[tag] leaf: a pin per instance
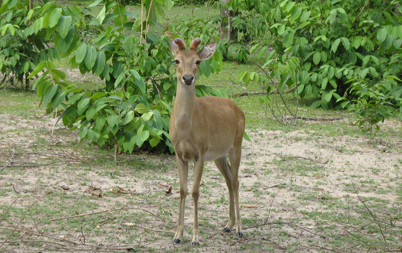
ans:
(300, 88)
(366, 59)
(374, 72)
(81, 52)
(146, 116)
(364, 72)
(100, 122)
(94, 3)
(100, 63)
(144, 135)
(154, 141)
(90, 57)
(64, 25)
(102, 14)
(205, 68)
(64, 44)
(281, 29)
(345, 43)
(316, 104)
(141, 108)
(288, 41)
(82, 105)
(90, 113)
(112, 120)
(54, 17)
(328, 96)
(26, 67)
(296, 13)
(139, 81)
(49, 94)
(249, 206)
(382, 34)
(289, 6)
(388, 41)
(317, 58)
(58, 99)
(335, 45)
(129, 117)
(324, 83)
(261, 52)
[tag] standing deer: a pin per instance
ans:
(203, 129)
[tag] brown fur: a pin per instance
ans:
(202, 129)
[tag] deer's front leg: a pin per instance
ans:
(198, 168)
(183, 173)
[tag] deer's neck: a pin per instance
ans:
(184, 105)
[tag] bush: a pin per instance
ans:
(341, 46)
(132, 109)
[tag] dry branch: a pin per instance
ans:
(311, 119)
(305, 158)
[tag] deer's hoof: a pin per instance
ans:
(176, 241)
(240, 234)
(195, 243)
(226, 230)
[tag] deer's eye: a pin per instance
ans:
(198, 62)
(177, 61)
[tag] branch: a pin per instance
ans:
(10, 160)
(22, 218)
(313, 119)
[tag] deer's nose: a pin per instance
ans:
(188, 79)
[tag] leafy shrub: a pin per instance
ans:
(22, 44)
(342, 45)
(133, 108)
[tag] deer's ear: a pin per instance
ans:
(207, 51)
(176, 45)
(173, 47)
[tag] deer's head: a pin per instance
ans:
(188, 61)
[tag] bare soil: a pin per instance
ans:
(286, 178)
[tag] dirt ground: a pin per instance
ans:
(298, 190)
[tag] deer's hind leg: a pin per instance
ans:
(224, 167)
(235, 157)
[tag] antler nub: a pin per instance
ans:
(180, 43)
(194, 44)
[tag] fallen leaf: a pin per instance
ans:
(249, 206)
(164, 184)
(64, 187)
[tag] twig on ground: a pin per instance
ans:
(311, 119)
(6, 211)
(10, 160)
(371, 214)
(87, 214)
(22, 218)
(306, 158)
(155, 230)
(105, 211)
(275, 185)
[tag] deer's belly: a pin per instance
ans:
(190, 152)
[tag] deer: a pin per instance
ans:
(204, 129)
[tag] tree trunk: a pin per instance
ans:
(227, 31)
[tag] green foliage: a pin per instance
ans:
(132, 109)
(23, 42)
(341, 46)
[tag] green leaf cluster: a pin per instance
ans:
(337, 44)
(132, 108)
(23, 41)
